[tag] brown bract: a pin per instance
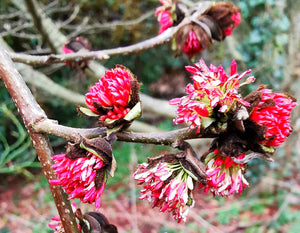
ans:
(97, 146)
(218, 18)
(234, 140)
(188, 159)
(94, 222)
(183, 33)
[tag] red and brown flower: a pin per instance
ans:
(168, 187)
(273, 113)
(83, 170)
(168, 181)
(114, 96)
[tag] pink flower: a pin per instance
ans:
(164, 15)
(224, 176)
(212, 89)
(168, 187)
(56, 223)
(112, 97)
(192, 45)
(273, 112)
(77, 177)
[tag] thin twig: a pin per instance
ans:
(78, 30)
(34, 11)
(71, 18)
(203, 222)
(93, 28)
(57, 9)
(25, 35)
(50, 5)
(10, 15)
(16, 29)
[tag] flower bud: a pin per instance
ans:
(115, 98)
(75, 45)
(191, 39)
(222, 15)
(96, 222)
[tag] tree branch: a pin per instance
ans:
(41, 81)
(30, 111)
(100, 54)
(159, 138)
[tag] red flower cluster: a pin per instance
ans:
(56, 223)
(77, 176)
(110, 97)
(165, 191)
(211, 89)
(163, 15)
(224, 176)
(273, 112)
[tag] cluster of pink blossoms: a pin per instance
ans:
(211, 89)
(56, 223)
(275, 117)
(168, 187)
(110, 96)
(163, 15)
(77, 176)
(224, 176)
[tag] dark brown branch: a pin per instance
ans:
(159, 138)
(30, 111)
